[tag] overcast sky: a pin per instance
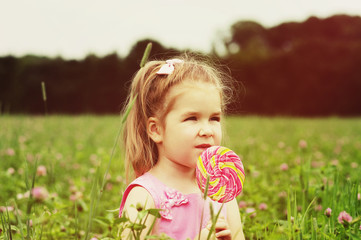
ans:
(75, 28)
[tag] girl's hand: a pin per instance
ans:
(222, 231)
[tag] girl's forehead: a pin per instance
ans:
(192, 85)
(186, 91)
(176, 92)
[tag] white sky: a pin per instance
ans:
(75, 28)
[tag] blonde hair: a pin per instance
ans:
(149, 90)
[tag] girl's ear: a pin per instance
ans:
(154, 129)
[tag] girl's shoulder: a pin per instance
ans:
(138, 195)
(143, 187)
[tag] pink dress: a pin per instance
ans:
(181, 213)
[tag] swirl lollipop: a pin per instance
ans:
(225, 171)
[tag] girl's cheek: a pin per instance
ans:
(219, 135)
(217, 128)
(190, 130)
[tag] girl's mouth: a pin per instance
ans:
(203, 146)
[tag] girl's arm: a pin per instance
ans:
(234, 220)
(142, 196)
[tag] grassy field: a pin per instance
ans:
(300, 175)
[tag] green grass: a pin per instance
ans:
(76, 150)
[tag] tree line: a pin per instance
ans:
(310, 68)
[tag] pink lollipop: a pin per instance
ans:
(225, 171)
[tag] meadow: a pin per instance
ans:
(62, 177)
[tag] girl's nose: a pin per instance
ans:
(205, 131)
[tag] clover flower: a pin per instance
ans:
(318, 207)
(10, 152)
(328, 212)
(252, 212)
(242, 204)
(76, 196)
(344, 217)
(40, 193)
(11, 171)
(302, 144)
(41, 171)
(354, 165)
(6, 208)
(263, 206)
(282, 194)
(284, 167)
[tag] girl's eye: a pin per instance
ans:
(191, 119)
(217, 119)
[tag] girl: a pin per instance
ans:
(176, 115)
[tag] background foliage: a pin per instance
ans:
(310, 68)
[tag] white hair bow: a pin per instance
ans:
(168, 68)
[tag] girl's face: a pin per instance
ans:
(192, 124)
